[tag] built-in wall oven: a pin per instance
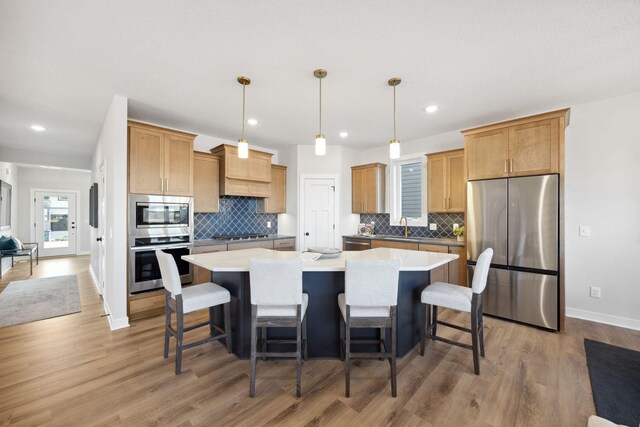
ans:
(158, 222)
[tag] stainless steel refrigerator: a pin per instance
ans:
(519, 219)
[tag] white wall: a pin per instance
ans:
(9, 174)
(111, 149)
(601, 191)
(30, 178)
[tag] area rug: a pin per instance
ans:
(26, 301)
(615, 381)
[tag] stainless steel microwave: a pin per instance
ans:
(151, 215)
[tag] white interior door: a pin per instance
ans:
(55, 223)
(319, 213)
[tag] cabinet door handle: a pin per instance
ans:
(510, 165)
(506, 165)
(162, 185)
(167, 184)
(444, 202)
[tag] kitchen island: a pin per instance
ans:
(323, 280)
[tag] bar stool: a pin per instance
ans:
(370, 300)
(458, 298)
(277, 301)
(187, 300)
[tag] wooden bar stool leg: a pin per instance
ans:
(424, 327)
(342, 338)
(304, 338)
(394, 386)
(254, 348)
(212, 316)
(227, 326)
(180, 333)
(167, 325)
(347, 355)
(475, 339)
(434, 320)
(299, 354)
(263, 348)
(381, 337)
(481, 332)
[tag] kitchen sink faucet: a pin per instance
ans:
(406, 229)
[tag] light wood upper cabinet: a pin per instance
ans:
(277, 201)
(146, 161)
(533, 148)
(446, 181)
(487, 154)
(243, 177)
(526, 146)
(160, 161)
(178, 170)
(368, 188)
(206, 186)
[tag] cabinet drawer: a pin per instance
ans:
(267, 244)
(434, 248)
(395, 245)
(207, 249)
(284, 244)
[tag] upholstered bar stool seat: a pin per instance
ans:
(202, 296)
(370, 300)
(283, 310)
(277, 301)
(447, 295)
(193, 298)
(460, 298)
(362, 311)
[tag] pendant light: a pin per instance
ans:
(321, 142)
(243, 144)
(394, 146)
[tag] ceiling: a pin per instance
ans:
(177, 62)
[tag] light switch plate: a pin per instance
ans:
(594, 292)
(455, 226)
(585, 231)
(268, 224)
(433, 226)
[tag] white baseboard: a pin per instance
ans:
(608, 319)
(94, 278)
(114, 324)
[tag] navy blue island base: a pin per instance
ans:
(323, 314)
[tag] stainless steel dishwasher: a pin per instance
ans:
(355, 244)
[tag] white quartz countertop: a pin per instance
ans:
(239, 260)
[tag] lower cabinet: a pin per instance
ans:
(458, 268)
(202, 275)
(439, 274)
(284, 245)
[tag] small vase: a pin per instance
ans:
(460, 238)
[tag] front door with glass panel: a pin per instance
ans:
(55, 223)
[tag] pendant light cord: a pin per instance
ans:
(320, 120)
(243, 96)
(394, 113)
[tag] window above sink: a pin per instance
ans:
(408, 191)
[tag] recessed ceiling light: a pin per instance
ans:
(343, 134)
(38, 128)
(431, 109)
(252, 122)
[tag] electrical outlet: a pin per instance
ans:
(433, 226)
(455, 226)
(268, 224)
(585, 231)
(594, 292)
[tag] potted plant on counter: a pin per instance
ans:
(459, 233)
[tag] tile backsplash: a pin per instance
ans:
(444, 221)
(237, 216)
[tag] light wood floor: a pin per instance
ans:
(72, 370)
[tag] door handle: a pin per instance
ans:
(306, 234)
(99, 239)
